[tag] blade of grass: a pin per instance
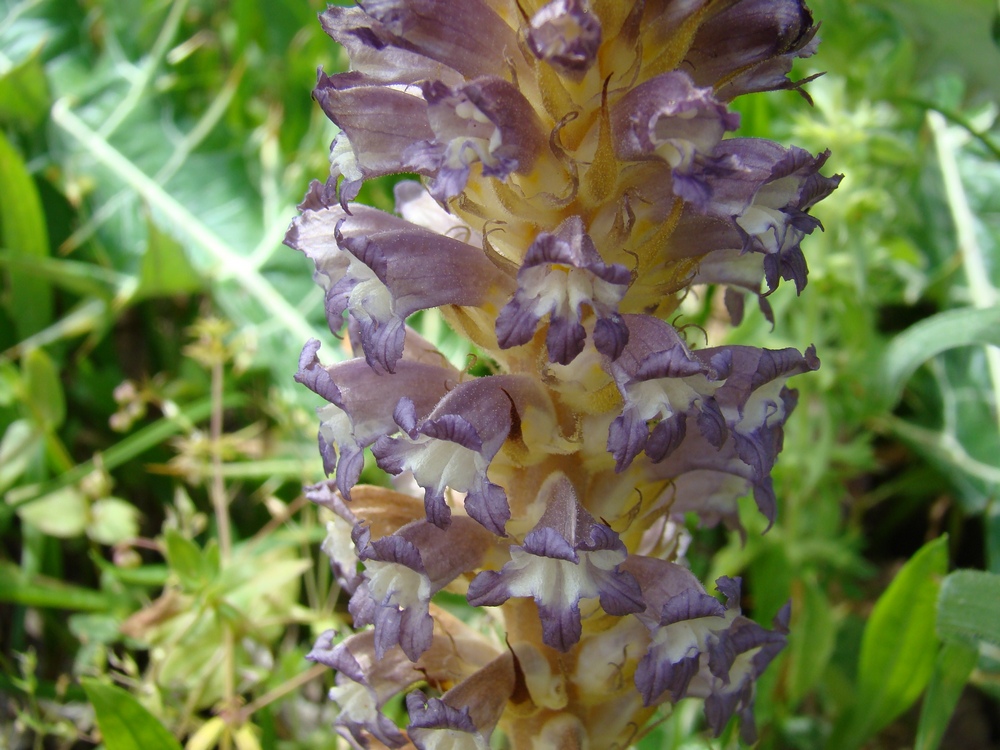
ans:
(955, 662)
(37, 591)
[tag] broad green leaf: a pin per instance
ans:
(23, 232)
(24, 94)
(897, 648)
(928, 338)
(112, 520)
(62, 514)
(968, 608)
(44, 389)
(36, 591)
(125, 723)
(954, 664)
(165, 269)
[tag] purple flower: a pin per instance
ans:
(568, 556)
(563, 273)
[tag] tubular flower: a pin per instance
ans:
(576, 179)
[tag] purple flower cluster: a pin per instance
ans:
(576, 180)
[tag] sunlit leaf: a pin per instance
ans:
(24, 94)
(932, 336)
(187, 560)
(23, 232)
(18, 447)
(61, 514)
(968, 608)
(897, 649)
(125, 723)
(112, 520)
(44, 389)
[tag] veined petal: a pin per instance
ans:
(767, 200)
(568, 556)
(737, 657)
(453, 448)
(464, 717)
(662, 383)
(370, 47)
(361, 405)
(468, 36)
(394, 273)
(566, 35)
(399, 583)
(669, 118)
(563, 275)
(364, 685)
(682, 635)
(379, 122)
(487, 121)
(750, 46)
(755, 401)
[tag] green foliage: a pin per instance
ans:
(968, 610)
(124, 723)
(897, 649)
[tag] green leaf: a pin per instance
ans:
(932, 336)
(24, 94)
(968, 608)
(125, 450)
(44, 389)
(166, 270)
(18, 447)
(62, 514)
(36, 591)
(954, 664)
(23, 232)
(187, 561)
(897, 648)
(79, 277)
(813, 635)
(125, 723)
(112, 520)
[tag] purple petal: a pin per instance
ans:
(566, 35)
(561, 274)
(468, 36)
(750, 46)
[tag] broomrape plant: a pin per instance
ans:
(575, 184)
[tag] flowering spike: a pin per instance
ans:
(576, 181)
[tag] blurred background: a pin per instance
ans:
(160, 573)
